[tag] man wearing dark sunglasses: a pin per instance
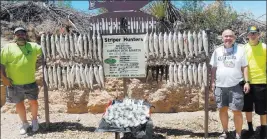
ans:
(256, 56)
(18, 66)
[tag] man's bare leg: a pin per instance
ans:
(34, 108)
(238, 121)
(224, 118)
(20, 108)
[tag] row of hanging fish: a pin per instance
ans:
(157, 73)
(70, 77)
(129, 113)
(192, 74)
(175, 45)
(69, 46)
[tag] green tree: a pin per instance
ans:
(65, 4)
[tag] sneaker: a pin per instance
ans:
(24, 128)
(35, 125)
(237, 136)
(223, 135)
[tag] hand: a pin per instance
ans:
(7, 81)
(246, 88)
(212, 87)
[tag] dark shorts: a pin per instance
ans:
(231, 97)
(17, 93)
(256, 97)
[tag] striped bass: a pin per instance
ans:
(151, 44)
(67, 46)
(48, 49)
(77, 51)
(205, 74)
(55, 76)
(72, 46)
(99, 47)
(200, 73)
(101, 76)
(205, 42)
(82, 75)
(62, 45)
(80, 45)
(86, 73)
(185, 44)
(195, 73)
(96, 73)
(175, 73)
(72, 73)
(50, 77)
(77, 75)
(161, 45)
(91, 76)
(181, 43)
(185, 74)
(156, 44)
(43, 45)
(180, 73)
(166, 45)
(170, 45)
(90, 47)
(69, 77)
(94, 46)
(53, 47)
(58, 48)
(190, 43)
(171, 74)
(175, 44)
(190, 74)
(64, 77)
(195, 43)
(146, 45)
(59, 79)
(85, 46)
(200, 44)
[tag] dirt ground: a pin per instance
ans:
(82, 126)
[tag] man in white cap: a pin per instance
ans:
(18, 66)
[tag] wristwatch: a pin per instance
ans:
(247, 82)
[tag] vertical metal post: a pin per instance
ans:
(47, 121)
(117, 135)
(206, 124)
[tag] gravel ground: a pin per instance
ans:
(82, 126)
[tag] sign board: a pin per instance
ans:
(124, 56)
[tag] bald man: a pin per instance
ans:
(229, 66)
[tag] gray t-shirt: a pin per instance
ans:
(229, 72)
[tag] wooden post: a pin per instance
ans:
(206, 122)
(47, 121)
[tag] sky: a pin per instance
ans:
(257, 8)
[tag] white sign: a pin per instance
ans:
(124, 56)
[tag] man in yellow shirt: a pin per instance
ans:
(256, 56)
(18, 66)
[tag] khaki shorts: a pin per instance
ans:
(17, 93)
(232, 97)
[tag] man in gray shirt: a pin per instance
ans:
(229, 64)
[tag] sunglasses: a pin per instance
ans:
(253, 33)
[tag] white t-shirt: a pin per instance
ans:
(229, 72)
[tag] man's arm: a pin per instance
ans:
(5, 79)
(245, 73)
(213, 75)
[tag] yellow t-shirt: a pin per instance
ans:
(20, 62)
(256, 56)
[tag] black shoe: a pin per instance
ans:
(248, 134)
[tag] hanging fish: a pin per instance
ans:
(180, 73)
(64, 78)
(62, 45)
(53, 47)
(185, 44)
(205, 42)
(205, 74)
(96, 73)
(99, 46)
(55, 76)
(85, 46)
(94, 46)
(185, 74)
(50, 77)
(175, 44)
(166, 45)
(57, 43)
(80, 45)
(161, 69)
(146, 45)
(166, 72)
(200, 44)
(190, 74)
(190, 44)
(82, 75)
(48, 49)
(200, 73)
(43, 45)
(67, 46)
(77, 75)
(170, 45)
(76, 47)
(151, 44)
(91, 76)
(72, 76)
(90, 47)
(171, 74)
(156, 44)
(157, 73)
(59, 79)
(195, 73)
(101, 76)
(46, 76)
(161, 45)
(175, 73)
(72, 46)
(148, 74)
(86, 73)
(181, 43)
(68, 76)
(195, 43)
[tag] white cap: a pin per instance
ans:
(19, 28)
